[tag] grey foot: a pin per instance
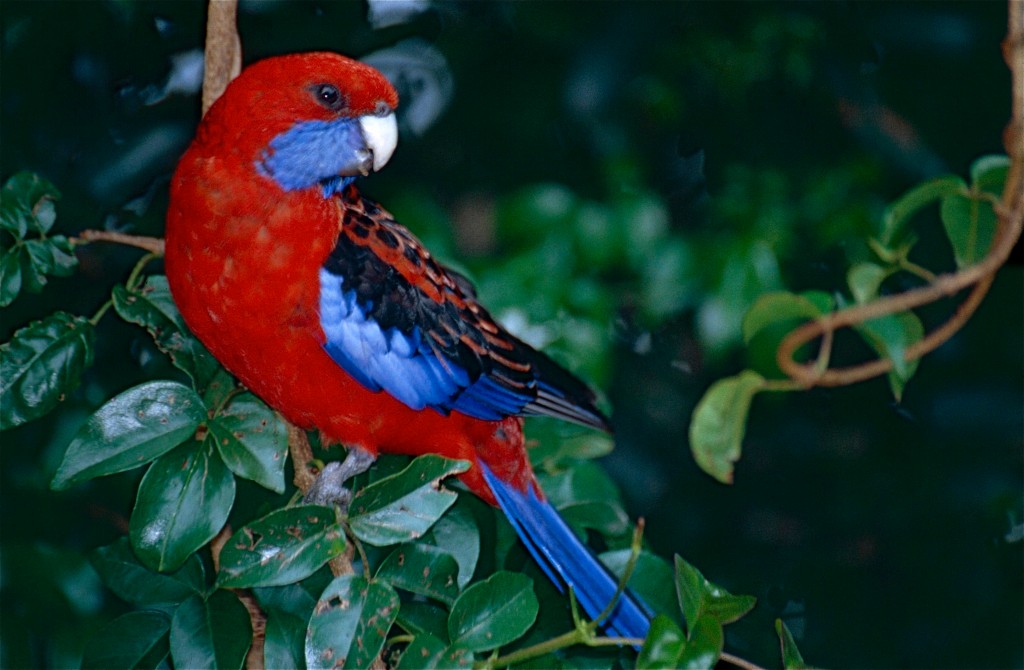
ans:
(329, 487)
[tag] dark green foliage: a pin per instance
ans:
(656, 194)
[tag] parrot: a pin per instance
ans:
(334, 314)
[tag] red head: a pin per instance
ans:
(304, 120)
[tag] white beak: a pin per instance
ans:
(381, 136)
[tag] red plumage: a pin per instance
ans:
(243, 259)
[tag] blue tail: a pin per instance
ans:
(567, 562)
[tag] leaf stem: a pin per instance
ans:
(101, 311)
(133, 279)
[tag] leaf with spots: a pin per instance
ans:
(252, 440)
(130, 430)
(283, 547)
(152, 307)
(405, 505)
(427, 652)
(349, 623)
(183, 501)
(422, 569)
(493, 612)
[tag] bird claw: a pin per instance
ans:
(329, 487)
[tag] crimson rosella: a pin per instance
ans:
(334, 314)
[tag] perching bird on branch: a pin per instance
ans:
(333, 313)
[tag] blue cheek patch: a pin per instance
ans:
(312, 153)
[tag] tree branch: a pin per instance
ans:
(1010, 215)
(223, 56)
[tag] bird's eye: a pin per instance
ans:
(329, 96)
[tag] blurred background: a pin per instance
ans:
(621, 180)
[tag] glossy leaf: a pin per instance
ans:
(349, 624)
(664, 645)
(898, 213)
(493, 612)
(782, 307)
(423, 569)
(132, 640)
(704, 642)
(424, 616)
(130, 580)
(153, 308)
(211, 633)
(183, 502)
(607, 518)
(791, 657)
(284, 642)
(283, 547)
(130, 430)
(719, 422)
(890, 336)
(42, 363)
(26, 204)
(699, 597)
(457, 534)
(970, 224)
(10, 274)
(427, 652)
(403, 506)
(252, 440)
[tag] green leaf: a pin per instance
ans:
(791, 658)
(424, 616)
(153, 308)
(349, 624)
(970, 224)
(699, 597)
(283, 547)
(26, 204)
(10, 274)
(130, 430)
(864, 280)
(403, 506)
(781, 307)
(253, 441)
(183, 502)
(41, 364)
(215, 633)
(422, 569)
(123, 574)
(653, 579)
(704, 644)
(664, 645)
(284, 641)
(426, 652)
(607, 518)
(39, 258)
(132, 640)
(493, 612)
(457, 534)
(899, 213)
(719, 422)
(890, 336)
(989, 173)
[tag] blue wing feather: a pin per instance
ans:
(426, 341)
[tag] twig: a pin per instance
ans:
(1010, 215)
(738, 662)
(154, 245)
(223, 49)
